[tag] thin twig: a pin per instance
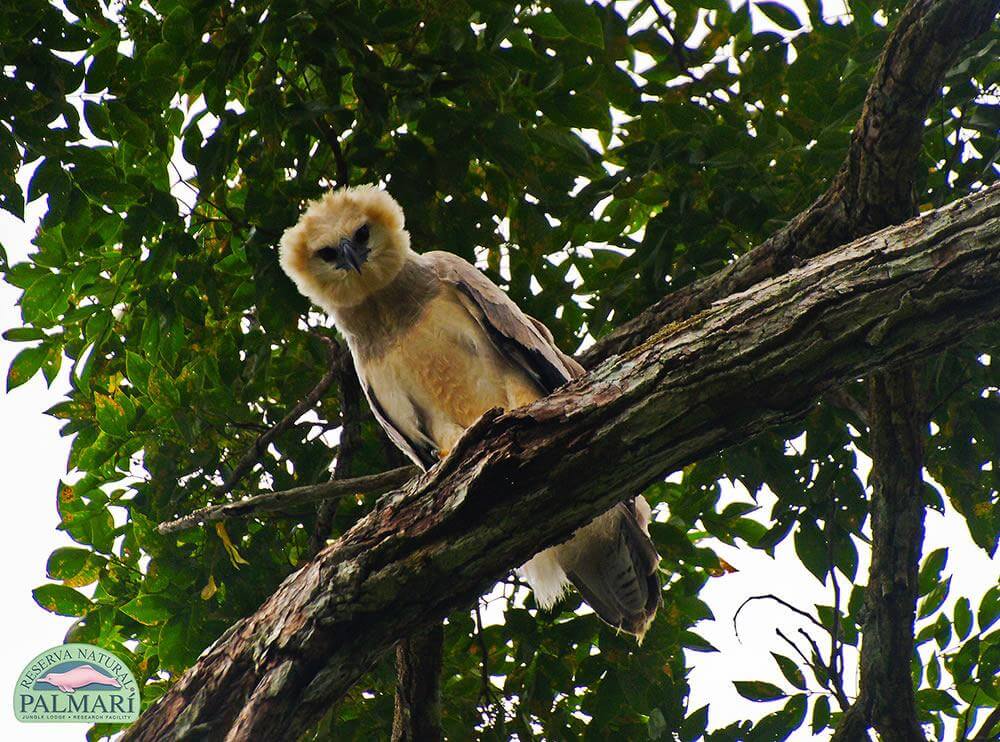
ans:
(963, 730)
(486, 692)
(838, 686)
(984, 733)
(794, 646)
(351, 412)
(676, 44)
(270, 502)
(840, 397)
(778, 600)
(253, 454)
(835, 628)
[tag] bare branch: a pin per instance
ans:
(808, 616)
(288, 500)
(986, 731)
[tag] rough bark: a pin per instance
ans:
(525, 480)
(897, 512)
(886, 698)
(876, 179)
(417, 715)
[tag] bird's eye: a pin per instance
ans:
(329, 254)
(361, 236)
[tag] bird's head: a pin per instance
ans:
(347, 245)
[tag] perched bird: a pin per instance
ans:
(436, 344)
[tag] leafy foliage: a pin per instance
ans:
(591, 158)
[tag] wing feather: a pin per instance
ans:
(421, 452)
(522, 339)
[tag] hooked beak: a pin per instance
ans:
(347, 255)
(351, 255)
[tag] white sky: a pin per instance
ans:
(33, 457)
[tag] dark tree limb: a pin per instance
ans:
(886, 699)
(522, 481)
(876, 179)
(417, 713)
(897, 511)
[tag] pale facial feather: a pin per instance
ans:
(325, 222)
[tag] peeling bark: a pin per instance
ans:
(518, 482)
(876, 179)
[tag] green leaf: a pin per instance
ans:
(821, 715)
(580, 19)
(934, 599)
(931, 699)
(43, 299)
(758, 690)
(179, 646)
(790, 670)
(812, 549)
(962, 618)
(161, 60)
(98, 120)
(692, 641)
(930, 572)
(989, 608)
(548, 25)
(149, 609)
(111, 416)
(934, 671)
(137, 369)
(74, 566)
(25, 365)
(942, 631)
(178, 27)
(779, 14)
(62, 600)
(694, 726)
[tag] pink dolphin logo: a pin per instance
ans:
(78, 677)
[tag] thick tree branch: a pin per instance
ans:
(522, 481)
(876, 177)
(288, 500)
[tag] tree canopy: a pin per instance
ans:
(591, 159)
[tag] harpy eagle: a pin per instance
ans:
(436, 344)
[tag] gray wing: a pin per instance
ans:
(613, 563)
(421, 452)
(523, 340)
